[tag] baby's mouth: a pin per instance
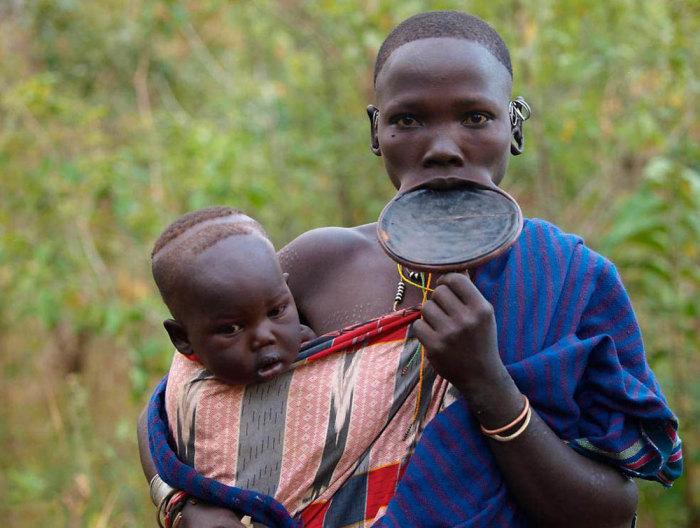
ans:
(270, 366)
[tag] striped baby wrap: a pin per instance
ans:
(329, 439)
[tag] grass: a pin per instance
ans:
(69, 454)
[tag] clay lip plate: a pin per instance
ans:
(449, 230)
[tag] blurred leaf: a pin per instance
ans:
(115, 118)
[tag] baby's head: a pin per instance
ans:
(219, 276)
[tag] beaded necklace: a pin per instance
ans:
(424, 286)
(412, 277)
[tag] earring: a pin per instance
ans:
(519, 111)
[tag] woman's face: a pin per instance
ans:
(443, 106)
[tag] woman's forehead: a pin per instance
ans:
(429, 61)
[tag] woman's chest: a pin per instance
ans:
(355, 294)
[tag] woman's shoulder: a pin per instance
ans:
(544, 235)
(547, 232)
(557, 252)
(325, 245)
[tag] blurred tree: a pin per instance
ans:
(654, 239)
(116, 117)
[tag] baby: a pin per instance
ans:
(233, 315)
(247, 409)
(219, 276)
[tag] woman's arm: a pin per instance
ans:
(559, 487)
(553, 484)
(194, 515)
(149, 468)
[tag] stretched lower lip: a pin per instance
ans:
(448, 184)
(271, 370)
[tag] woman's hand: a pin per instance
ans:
(307, 334)
(458, 331)
(197, 514)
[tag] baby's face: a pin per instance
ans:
(241, 319)
(443, 106)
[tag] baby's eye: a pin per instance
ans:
(232, 329)
(277, 311)
(407, 121)
(475, 118)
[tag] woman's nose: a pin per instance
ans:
(443, 150)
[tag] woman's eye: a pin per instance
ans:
(407, 121)
(277, 310)
(476, 118)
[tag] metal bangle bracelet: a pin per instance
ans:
(159, 490)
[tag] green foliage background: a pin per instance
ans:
(118, 115)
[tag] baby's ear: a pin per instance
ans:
(178, 335)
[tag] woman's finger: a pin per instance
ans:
(462, 286)
(424, 333)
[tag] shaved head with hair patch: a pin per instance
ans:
(189, 236)
(444, 24)
(232, 311)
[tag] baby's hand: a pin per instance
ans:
(458, 331)
(307, 334)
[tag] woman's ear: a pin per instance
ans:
(373, 115)
(517, 140)
(178, 336)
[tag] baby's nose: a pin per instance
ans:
(262, 337)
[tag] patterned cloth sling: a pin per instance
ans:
(569, 338)
(328, 439)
